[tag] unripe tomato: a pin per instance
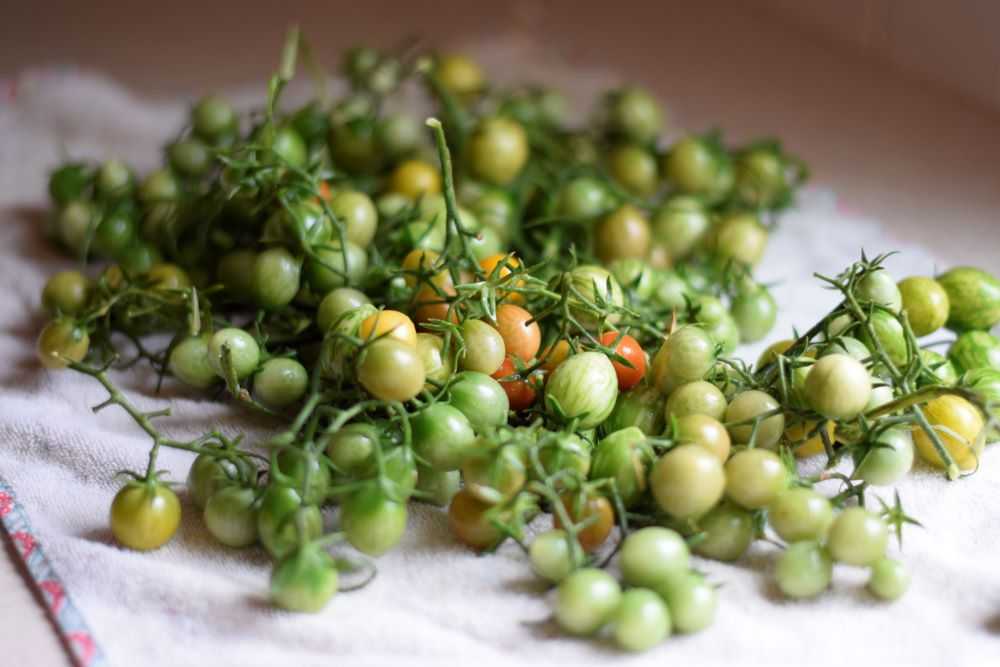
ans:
(629, 348)
(305, 580)
(634, 168)
(838, 387)
(748, 405)
(391, 370)
(741, 238)
(459, 74)
(469, 520)
(755, 477)
(798, 436)
(622, 234)
(145, 515)
(66, 292)
(926, 304)
(687, 481)
(635, 114)
(498, 150)
(973, 296)
(62, 342)
(706, 432)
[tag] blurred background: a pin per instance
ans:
(894, 103)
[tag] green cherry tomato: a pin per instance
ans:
(848, 345)
(351, 449)
(438, 366)
(494, 476)
(760, 177)
(879, 288)
(635, 275)
(926, 304)
(438, 487)
(634, 114)
(727, 532)
(235, 272)
(336, 303)
(280, 382)
(693, 167)
(73, 225)
(554, 555)
(66, 293)
(372, 522)
(804, 570)
(653, 557)
(144, 516)
(243, 350)
(304, 580)
(567, 452)
(62, 342)
(838, 387)
(306, 473)
(584, 198)
(672, 290)
(213, 118)
(584, 387)
(692, 602)
(68, 183)
(391, 370)
(687, 481)
(357, 212)
(688, 355)
(750, 405)
(800, 514)
(986, 383)
(974, 298)
(114, 180)
(190, 157)
(498, 150)
(484, 347)
(279, 516)
(641, 621)
(399, 134)
(888, 333)
(755, 313)
(940, 370)
(139, 257)
(442, 436)
(975, 349)
(231, 516)
(115, 232)
(623, 457)
(858, 537)
(706, 432)
(480, 398)
(634, 168)
(741, 238)
(755, 477)
(641, 406)
(888, 460)
(696, 398)
(303, 223)
(207, 475)
(159, 186)
(586, 601)
(889, 579)
(595, 285)
(680, 225)
(287, 146)
(190, 362)
(276, 278)
(623, 234)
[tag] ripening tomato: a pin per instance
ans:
(392, 323)
(507, 263)
(433, 304)
(415, 178)
(582, 509)
(521, 393)
(521, 336)
(469, 521)
(554, 355)
(629, 348)
(417, 262)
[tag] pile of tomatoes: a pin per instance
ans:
(512, 317)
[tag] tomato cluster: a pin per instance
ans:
(513, 317)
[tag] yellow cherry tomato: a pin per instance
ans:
(414, 178)
(797, 435)
(959, 426)
(506, 262)
(391, 323)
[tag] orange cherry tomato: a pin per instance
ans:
(429, 304)
(554, 355)
(521, 393)
(419, 261)
(594, 535)
(521, 336)
(468, 519)
(391, 322)
(506, 261)
(325, 192)
(630, 349)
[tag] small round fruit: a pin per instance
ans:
(838, 387)
(879, 288)
(888, 460)
(696, 398)
(728, 532)
(706, 432)
(189, 362)
(973, 297)
(586, 600)
(391, 370)
(858, 537)
(336, 303)
(692, 602)
(755, 477)
(800, 514)
(280, 382)
(653, 556)
(641, 621)
(748, 405)
(415, 178)
(889, 579)
(62, 342)
(926, 304)
(687, 481)
(623, 234)
(244, 352)
(484, 347)
(498, 150)
(144, 516)
(959, 426)
(804, 570)
(389, 324)
(553, 556)
(66, 292)
(231, 516)
(304, 580)
(357, 212)
(276, 278)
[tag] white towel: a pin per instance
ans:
(433, 602)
